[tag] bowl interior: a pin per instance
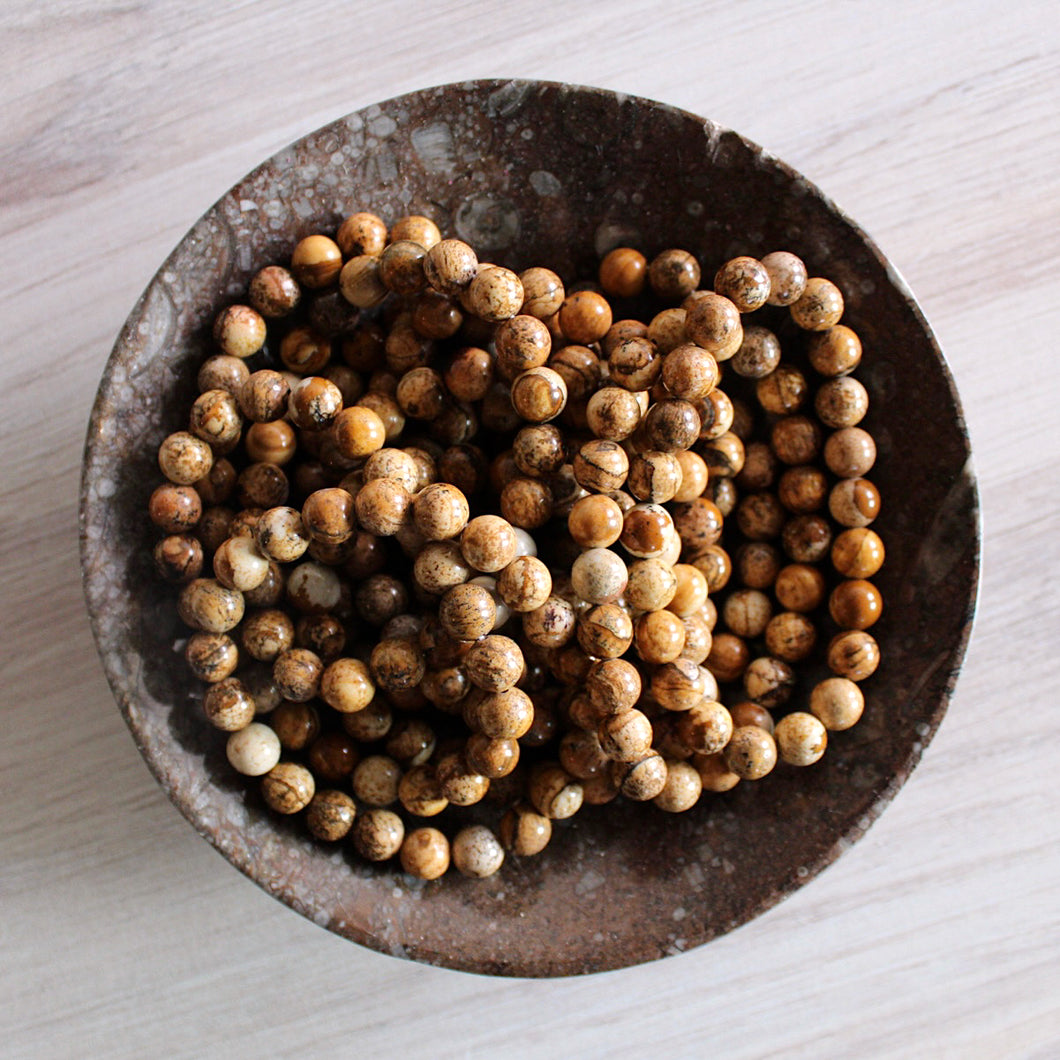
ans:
(544, 174)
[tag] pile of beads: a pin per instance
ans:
(471, 536)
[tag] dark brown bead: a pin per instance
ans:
(175, 509)
(803, 489)
(729, 657)
(623, 272)
(671, 424)
(332, 757)
(674, 274)
(296, 724)
(800, 587)
(790, 636)
(401, 267)
(635, 364)
(783, 391)
(179, 558)
(758, 564)
(806, 538)
(796, 440)
(855, 604)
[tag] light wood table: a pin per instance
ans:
(935, 125)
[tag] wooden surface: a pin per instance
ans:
(935, 125)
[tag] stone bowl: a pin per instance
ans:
(535, 173)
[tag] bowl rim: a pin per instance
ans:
(88, 508)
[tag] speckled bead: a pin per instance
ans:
(552, 625)
(383, 506)
(601, 466)
(806, 538)
(184, 459)
(553, 792)
(467, 612)
(713, 323)
(751, 753)
(682, 788)
(745, 282)
(841, 402)
(801, 739)
(673, 274)
(635, 364)
(820, 305)
(757, 564)
(783, 391)
(378, 834)
(681, 684)
(207, 605)
(525, 584)
(769, 682)
(835, 352)
(330, 815)
(375, 780)
(605, 631)
(274, 292)
(495, 294)
(837, 703)
(525, 832)
(640, 781)
(288, 788)
(397, 664)
(758, 355)
(613, 413)
(850, 452)
(239, 331)
(787, 277)
(490, 757)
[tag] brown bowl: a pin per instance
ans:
(535, 173)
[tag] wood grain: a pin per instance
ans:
(935, 125)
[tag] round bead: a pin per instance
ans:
(682, 788)
(835, 352)
(288, 787)
(819, 306)
(253, 750)
(274, 292)
(494, 294)
(854, 654)
(316, 261)
(539, 394)
(837, 703)
(425, 854)
(585, 317)
(599, 576)
(787, 277)
(713, 323)
(477, 852)
(361, 233)
(613, 413)
(467, 612)
(855, 604)
(745, 282)
(659, 636)
(378, 834)
(850, 452)
(801, 739)
(854, 502)
(673, 274)
(525, 832)
(751, 753)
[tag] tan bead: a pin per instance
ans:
(359, 432)
(360, 282)
(652, 585)
(713, 323)
(819, 306)
(625, 737)
(581, 755)
(361, 233)
(643, 780)
(747, 612)
(801, 739)
(491, 757)
(758, 355)
(681, 684)
(601, 466)
(553, 792)
(495, 663)
(467, 612)
(274, 292)
(646, 531)
(605, 631)
(477, 852)
(297, 673)
(494, 294)
(288, 787)
(552, 625)
(783, 391)
(659, 637)
(635, 364)
(539, 394)
(666, 330)
(383, 507)
(440, 511)
(502, 715)
(212, 657)
(420, 793)
(850, 452)
(673, 274)
(769, 681)
(790, 636)
(425, 853)
(543, 292)
(857, 553)
(228, 705)
(690, 372)
(613, 686)
(787, 277)
(854, 502)
(654, 476)
(346, 685)
(313, 588)
(378, 834)
(855, 604)
(418, 229)
(682, 788)
(316, 261)
(613, 413)
(745, 282)
(239, 331)
(835, 352)
(691, 591)
(715, 564)
(837, 703)
(207, 605)
(263, 397)
(706, 728)
(253, 750)
(330, 815)
(525, 832)
(698, 638)
(375, 780)
(800, 587)
(623, 272)
(599, 576)
(595, 521)
(489, 543)
(714, 772)
(751, 753)
(458, 783)
(184, 459)
(525, 584)
(397, 664)
(585, 317)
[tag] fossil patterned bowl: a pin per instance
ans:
(539, 173)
